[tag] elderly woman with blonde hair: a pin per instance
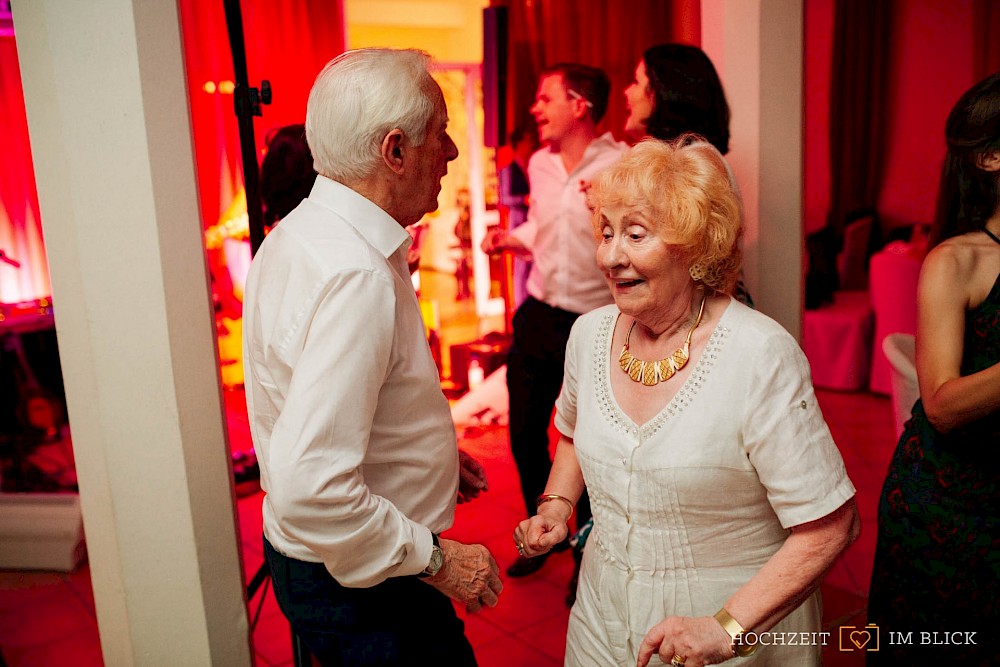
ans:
(719, 497)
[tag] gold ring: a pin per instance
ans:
(678, 660)
(520, 547)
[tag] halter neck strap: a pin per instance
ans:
(991, 235)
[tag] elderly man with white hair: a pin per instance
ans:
(355, 440)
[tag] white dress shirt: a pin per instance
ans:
(355, 440)
(559, 231)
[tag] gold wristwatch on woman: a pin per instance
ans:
(742, 644)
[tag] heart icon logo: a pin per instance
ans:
(860, 638)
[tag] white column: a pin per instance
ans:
(757, 47)
(105, 91)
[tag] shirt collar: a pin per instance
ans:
(376, 226)
(599, 144)
(596, 147)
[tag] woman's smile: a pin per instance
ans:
(625, 283)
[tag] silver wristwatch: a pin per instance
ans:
(437, 559)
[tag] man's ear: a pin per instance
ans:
(580, 110)
(989, 161)
(392, 150)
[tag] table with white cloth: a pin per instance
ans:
(837, 340)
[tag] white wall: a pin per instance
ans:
(756, 45)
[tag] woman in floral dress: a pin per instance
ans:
(937, 563)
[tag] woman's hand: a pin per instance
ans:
(695, 641)
(537, 535)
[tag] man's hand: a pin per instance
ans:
(471, 478)
(469, 575)
(413, 259)
(493, 242)
(496, 242)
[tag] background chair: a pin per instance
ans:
(900, 351)
(894, 271)
(837, 336)
(852, 262)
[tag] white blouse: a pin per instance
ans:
(690, 505)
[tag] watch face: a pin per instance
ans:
(437, 560)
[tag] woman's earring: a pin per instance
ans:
(697, 272)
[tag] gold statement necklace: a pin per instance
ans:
(651, 373)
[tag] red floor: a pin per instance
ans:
(48, 619)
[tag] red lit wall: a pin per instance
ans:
(816, 93)
(931, 65)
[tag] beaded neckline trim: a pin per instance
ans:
(602, 367)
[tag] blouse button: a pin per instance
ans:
(802, 405)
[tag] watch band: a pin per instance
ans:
(728, 623)
(736, 632)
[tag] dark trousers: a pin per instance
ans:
(401, 621)
(534, 378)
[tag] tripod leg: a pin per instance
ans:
(300, 653)
(259, 577)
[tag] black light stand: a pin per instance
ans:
(248, 103)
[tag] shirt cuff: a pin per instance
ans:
(423, 544)
(525, 234)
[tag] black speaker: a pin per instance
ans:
(494, 76)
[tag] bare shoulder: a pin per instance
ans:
(951, 263)
(967, 264)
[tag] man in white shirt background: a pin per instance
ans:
(565, 281)
(355, 440)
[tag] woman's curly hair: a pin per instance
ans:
(685, 189)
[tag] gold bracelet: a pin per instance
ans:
(741, 645)
(546, 497)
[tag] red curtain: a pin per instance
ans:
(610, 34)
(287, 43)
(20, 222)
(986, 40)
(857, 106)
